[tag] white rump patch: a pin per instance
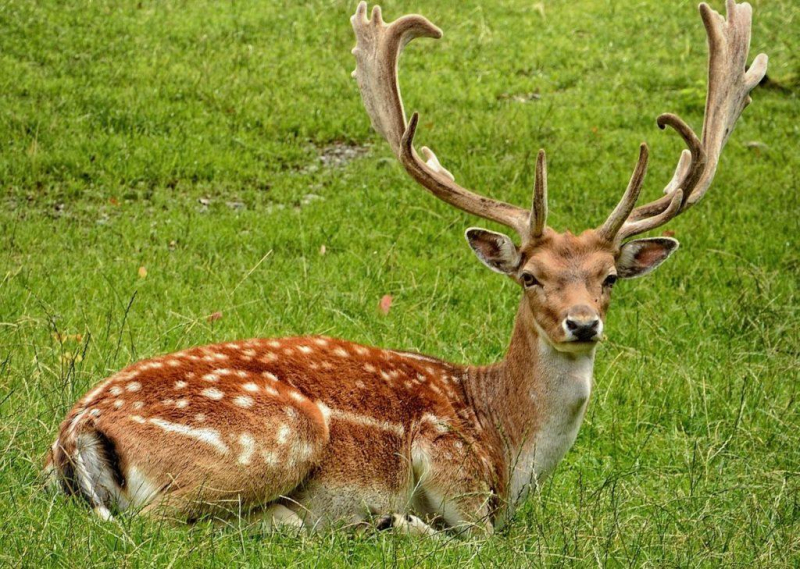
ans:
(94, 475)
(248, 444)
(208, 436)
(140, 491)
(212, 393)
(244, 401)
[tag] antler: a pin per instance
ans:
(729, 87)
(377, 51)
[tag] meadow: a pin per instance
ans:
(176, 173)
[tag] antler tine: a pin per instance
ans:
(630, 228)
(690, 166)
(612, 225)
(729, 87)
(377, 51)
(538, 216)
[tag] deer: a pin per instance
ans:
(312, 431)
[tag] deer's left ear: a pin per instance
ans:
(640, 256)
(495, 250)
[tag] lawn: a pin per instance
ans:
(177, 173)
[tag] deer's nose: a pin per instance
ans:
(582, 324)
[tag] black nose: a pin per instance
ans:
(583, 330)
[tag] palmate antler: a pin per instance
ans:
(729, 86)
(377, 52)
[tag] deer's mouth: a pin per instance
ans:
(576, 346)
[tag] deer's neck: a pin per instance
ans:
(535, 400)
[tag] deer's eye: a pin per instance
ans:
(610, 280)
(528, 280)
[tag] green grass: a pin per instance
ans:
(116, 117)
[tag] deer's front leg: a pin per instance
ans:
(453, 479)
(405, 524)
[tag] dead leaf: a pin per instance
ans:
(142, 272)
(61, 338)
(214, 316)
(385, 304)
(322, 250)
(113, 201)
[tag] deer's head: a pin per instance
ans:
(567, 279)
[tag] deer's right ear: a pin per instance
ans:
(495, 250)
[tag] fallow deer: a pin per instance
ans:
(314, 430)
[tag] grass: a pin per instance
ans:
(116, 118)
